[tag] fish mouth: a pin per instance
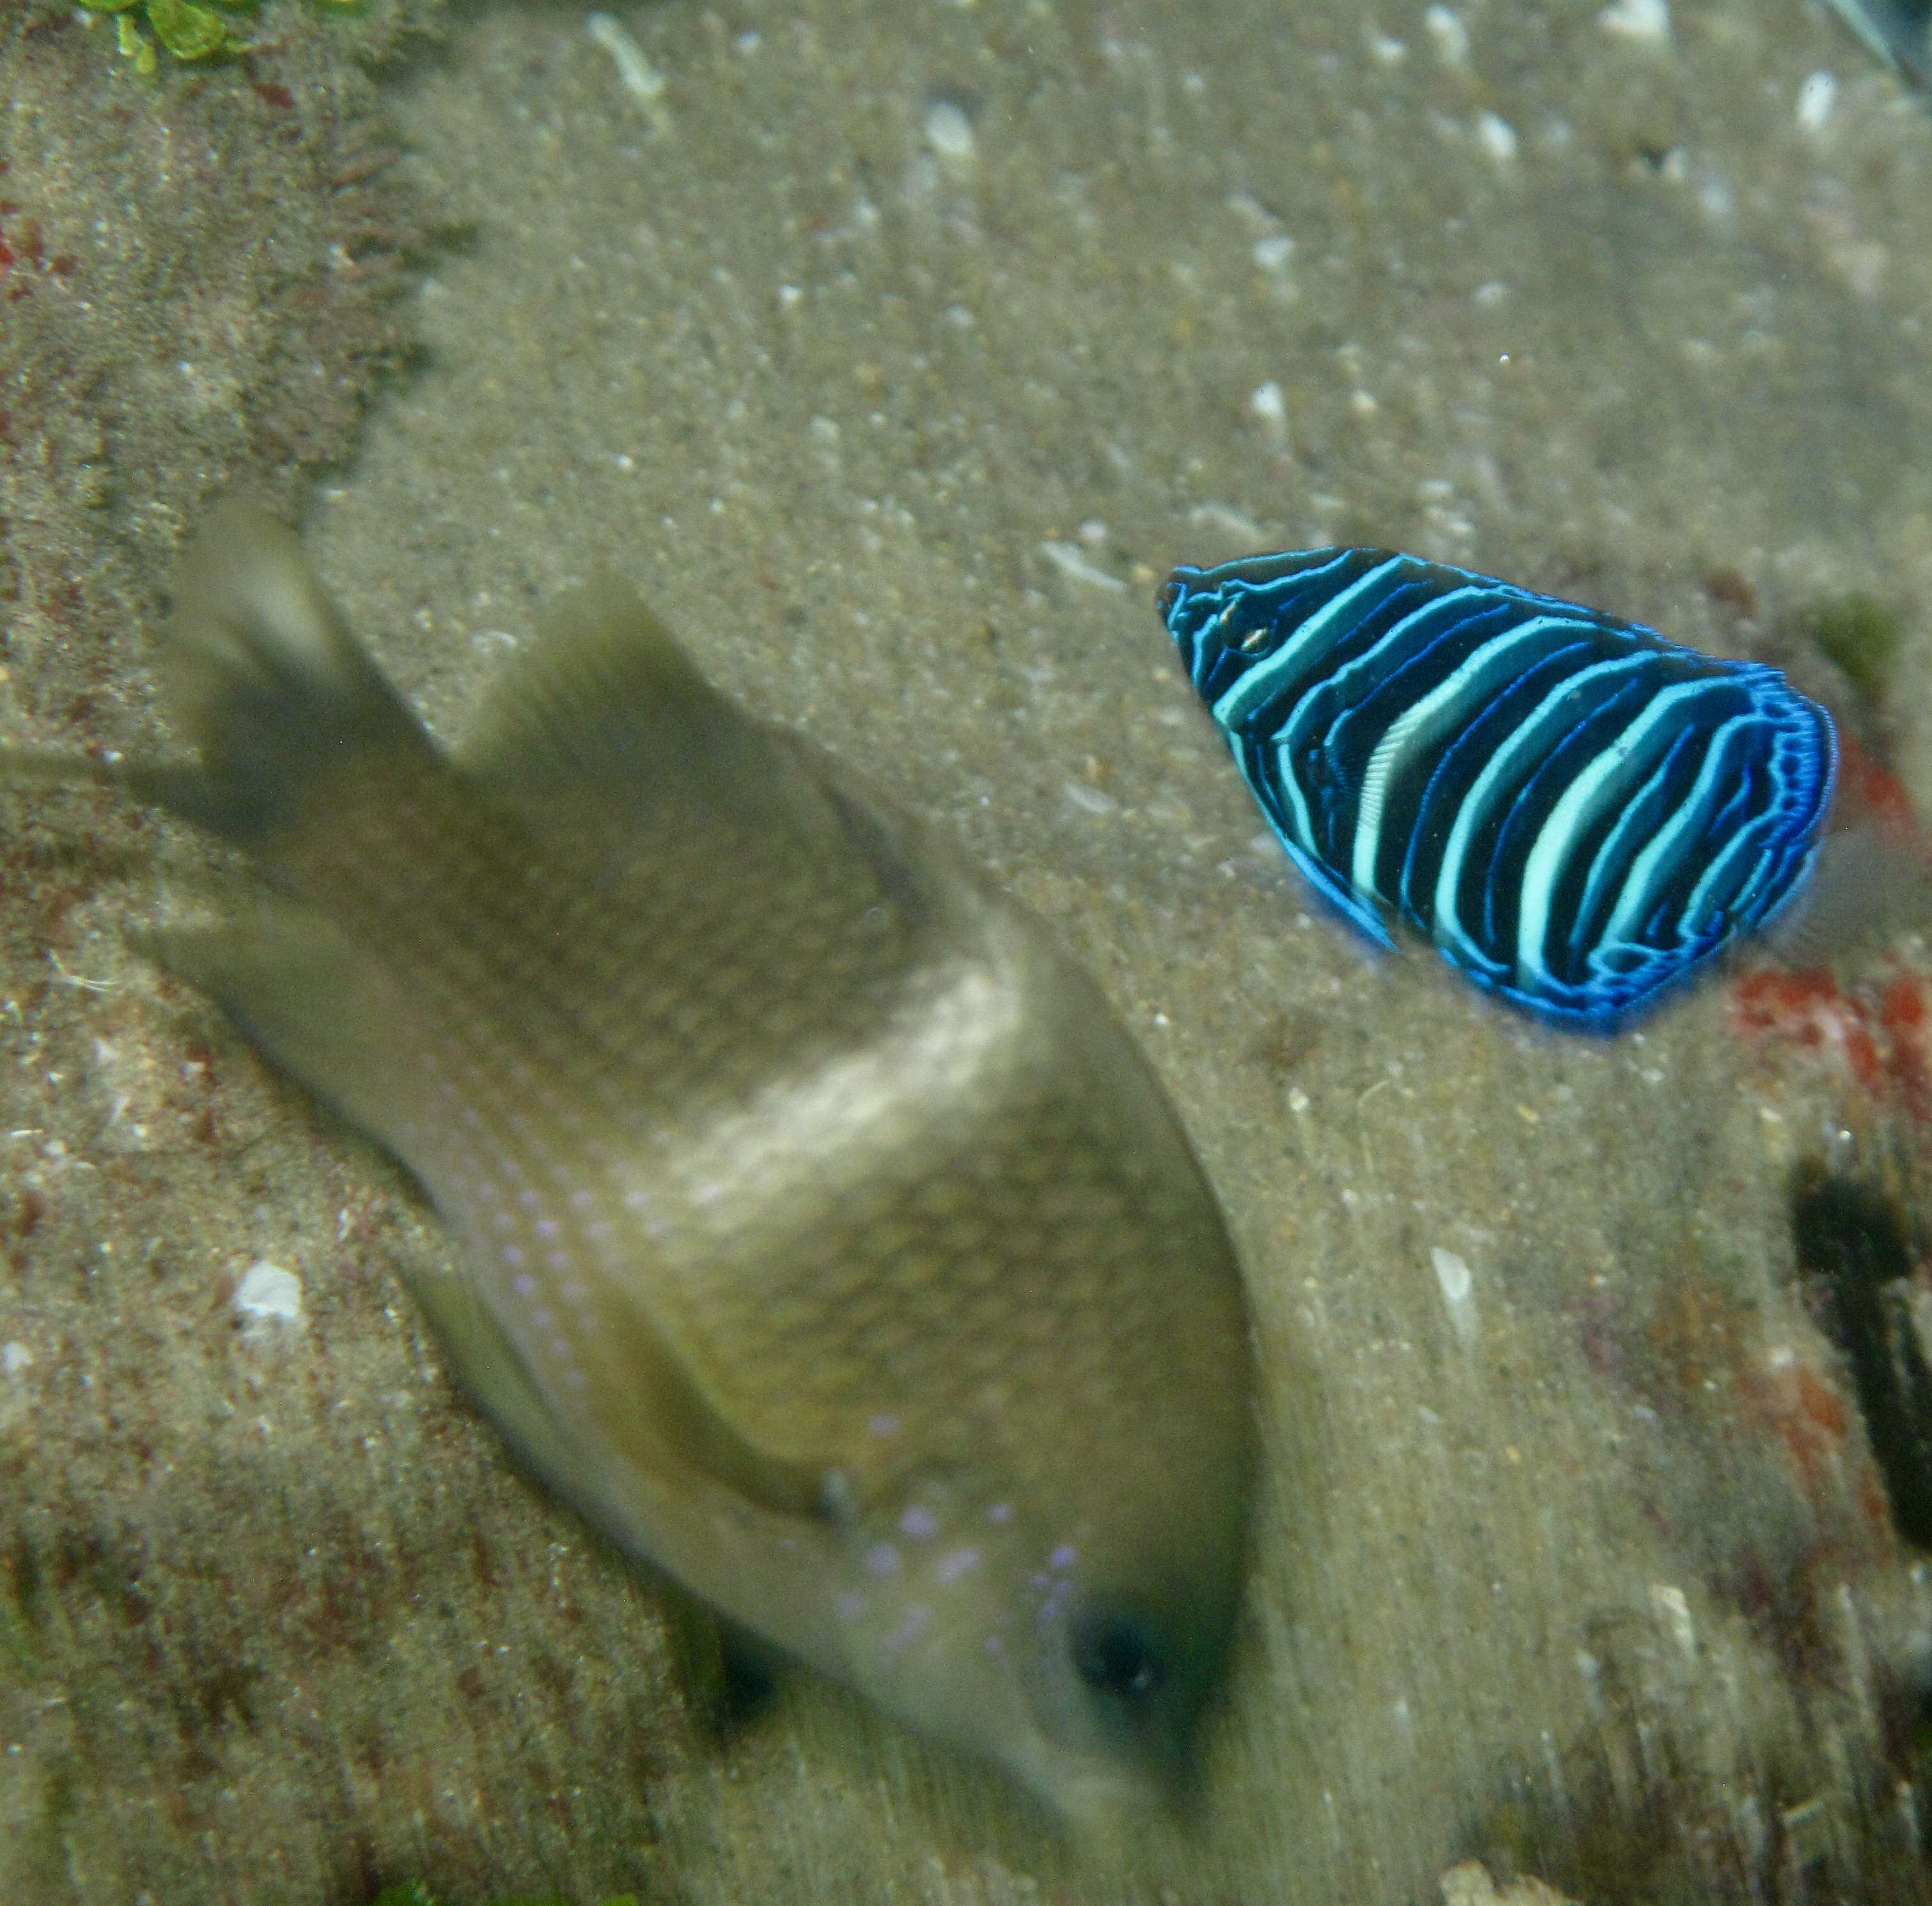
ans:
(1099, 1799)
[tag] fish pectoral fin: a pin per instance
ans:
(664, 1400)
(306, 998)
(655, 1421)
(486, 1365)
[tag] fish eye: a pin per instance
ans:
(1114, 1655)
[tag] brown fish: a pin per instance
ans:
(826, 1241)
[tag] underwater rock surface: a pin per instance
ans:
(1573, 1555)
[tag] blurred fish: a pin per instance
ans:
(826, 1241)
(1898, 32)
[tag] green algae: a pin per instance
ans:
(186, 31)
(1861, 634)
(412, 1893)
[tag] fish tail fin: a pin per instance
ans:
(1870, 882)
(263, 676)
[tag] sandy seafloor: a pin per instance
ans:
(896, 351)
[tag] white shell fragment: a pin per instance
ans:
(1646, 21)
(949, 130)
(1816, 98)
(268, 1294)
(1459, 1290)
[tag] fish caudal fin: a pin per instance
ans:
(263, 676)
(1869, 883)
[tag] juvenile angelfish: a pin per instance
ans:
(825, 1240)
(1580, 814)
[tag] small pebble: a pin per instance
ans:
(1451, 37)
(1268, 407)
(1816, 98)
(1648, 21)
(1497, 137)
(949, 131)
(1458, 1286)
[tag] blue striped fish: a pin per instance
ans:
(1575, 811)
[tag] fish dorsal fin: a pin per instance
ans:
(604, 720)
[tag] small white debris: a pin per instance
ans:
(1274, 255)
(1459, 1290)
(15, 1357)
(269, 1294)
(1229, 519)
(635, 74)
(1269, 408)
(1816, 98)
(1451, 37)
(1490, 294)
(1668, 1603)
(1091, 799)
(1647, 22)
(1497, 137)
(949, 131)
(1067, 559)
(790, 297)
(1384, 48)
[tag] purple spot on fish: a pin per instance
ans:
(547, 1227)
(995, 1646)
(581, 1201)
(556, 1260)
(918, 1523)
(882, 1560)
(522, 1283)
(955, 1563)
(1063, 1557)
(918, 1619)
(850, 1606)
(882, 1424)
(597, 1233)
(511, 1256)
(1001, 1512)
